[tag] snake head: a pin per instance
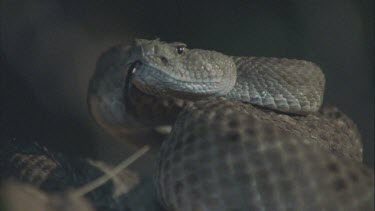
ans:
(171, 69)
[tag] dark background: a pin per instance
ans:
(49, 49)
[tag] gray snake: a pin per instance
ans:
(248, 133)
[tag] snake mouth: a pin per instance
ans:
(134, 66)
(132, 69)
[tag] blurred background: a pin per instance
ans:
(49, 49)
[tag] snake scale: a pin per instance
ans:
(248, 133)
(54, 173)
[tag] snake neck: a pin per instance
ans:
(105, 93)
(154, 111)
(284, 85)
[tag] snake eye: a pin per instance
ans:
(180, 49)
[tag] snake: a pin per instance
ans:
(52, 173)
(248, 133)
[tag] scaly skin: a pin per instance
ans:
(223, 153)
(34, 164)
(287, 85)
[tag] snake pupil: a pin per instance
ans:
(180, 49)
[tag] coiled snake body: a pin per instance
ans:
(248, 133)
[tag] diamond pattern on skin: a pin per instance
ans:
(257, 165)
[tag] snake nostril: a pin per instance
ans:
(164, 60)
